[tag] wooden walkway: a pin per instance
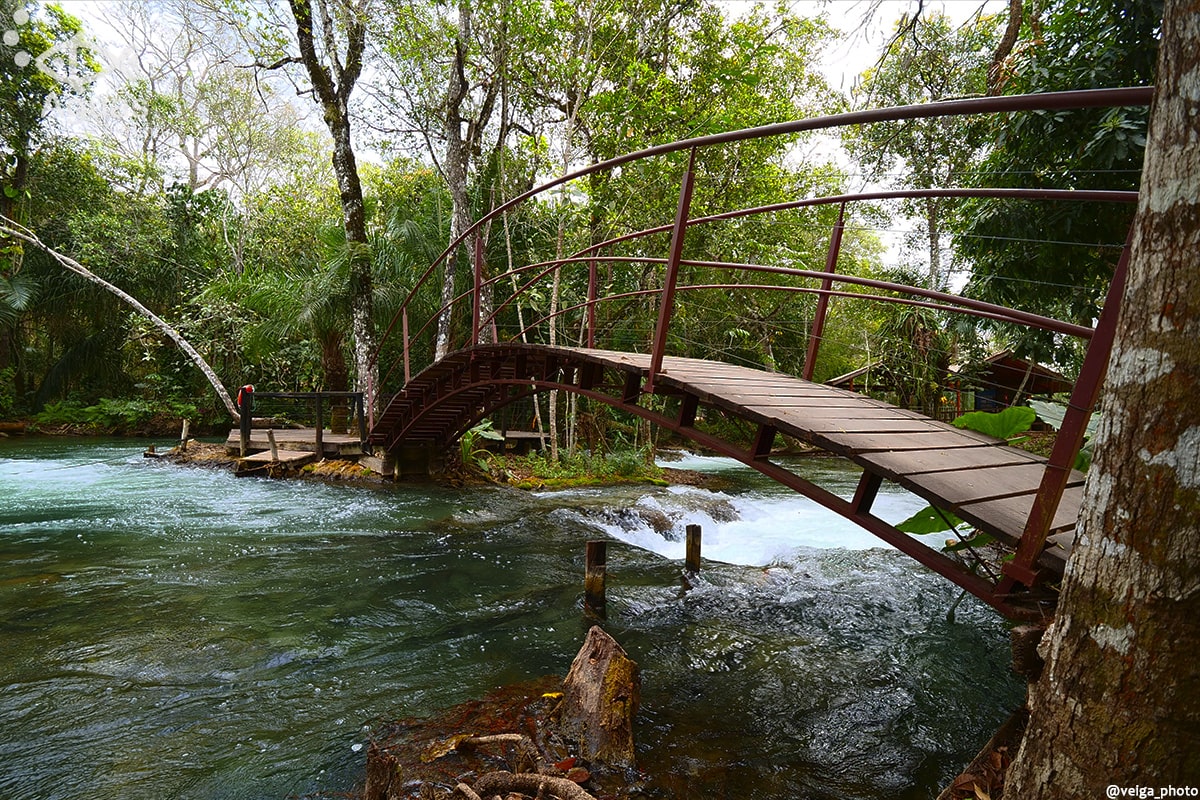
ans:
(296, 440)
(977, 477)
(980, 479)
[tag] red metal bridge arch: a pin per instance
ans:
(1033, 506)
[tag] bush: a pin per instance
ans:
(114, 415)
(8, 392)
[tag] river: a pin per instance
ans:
(174, 632)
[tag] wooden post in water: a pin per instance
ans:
(183, 436)
(596, 557)
(271, 440)
(691, 561)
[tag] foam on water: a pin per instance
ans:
(766, 524)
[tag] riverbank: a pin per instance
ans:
(530, 473)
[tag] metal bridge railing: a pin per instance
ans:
(533, 275)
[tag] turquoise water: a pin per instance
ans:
(175, 632)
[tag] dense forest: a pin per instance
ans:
(273, 179)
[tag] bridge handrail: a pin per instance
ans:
(904, 301)
(997, 193)
(1076, 99)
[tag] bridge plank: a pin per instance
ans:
(1007, 516)
(985, 483)
(918, 462)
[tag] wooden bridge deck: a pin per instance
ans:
(978, 478)
(333, 445)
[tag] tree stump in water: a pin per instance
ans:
(600, 699)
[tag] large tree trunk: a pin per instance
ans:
(456, 159)
(1119, 701)
(456, 169)
(333, 81)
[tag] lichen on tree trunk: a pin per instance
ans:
(1119, 700)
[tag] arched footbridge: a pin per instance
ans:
(1028, 504)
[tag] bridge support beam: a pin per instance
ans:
(764, 440)
(416, 461)
(868, 489)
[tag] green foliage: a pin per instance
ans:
(8, 393)
(1021, 253)
(469, 450)
(52, 68)
(929, 520)
(1053, 414)
(1000, 424)
(112, 415)
(580, 468)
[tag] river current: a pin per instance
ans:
(175, 632)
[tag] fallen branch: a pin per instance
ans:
(501, 783)
(10, 228)
(467, 792)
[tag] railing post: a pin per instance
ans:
(245, 420)
(671, 275)
(818, 326)
(404, 328)
(320, 433)
(1070, 436)
(691, 558)
(477, 293)
(594, 578)
(362, 417)
(591, 306)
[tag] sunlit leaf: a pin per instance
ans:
(929, 520)
(978, 540)
(1002, 425)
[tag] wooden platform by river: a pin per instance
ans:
(297, 440)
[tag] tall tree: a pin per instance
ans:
(935, 60)
(450, 84)
(329, 38)
(46, 62)
(1017, 250)
(1119, 700)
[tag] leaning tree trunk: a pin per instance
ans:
(10, 228)
(1119, 701)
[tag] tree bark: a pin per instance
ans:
(460, 148)
(1118, 703)
(10, 228)
(456, 176)
(333, 83)
(601, 695)
(995, 76)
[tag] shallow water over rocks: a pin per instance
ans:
(177, 632)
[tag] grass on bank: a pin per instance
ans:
(539, 471)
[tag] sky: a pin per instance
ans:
(866, 26)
